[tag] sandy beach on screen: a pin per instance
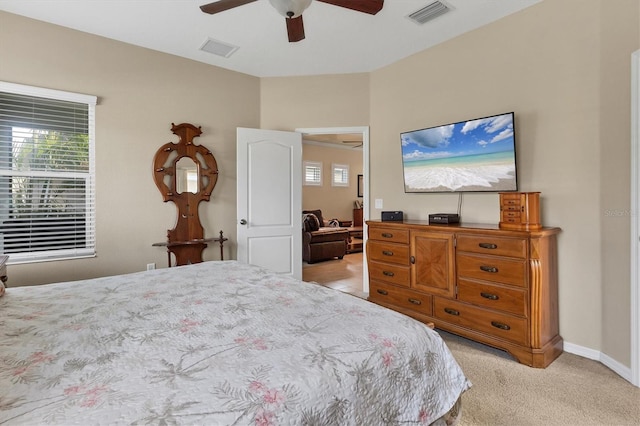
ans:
(493, 177)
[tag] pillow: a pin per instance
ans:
(334, 223)
(310, 222)
(1, 288)
(317, 213)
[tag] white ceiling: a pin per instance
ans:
(338, 40)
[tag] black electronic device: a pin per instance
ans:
(396, 216)
(444, 218)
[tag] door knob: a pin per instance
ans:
(243, 222)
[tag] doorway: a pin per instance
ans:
(358, 260)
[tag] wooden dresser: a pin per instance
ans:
(496, 286)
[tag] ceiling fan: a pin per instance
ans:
(292, 10)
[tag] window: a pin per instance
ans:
(340, 175)
(312, 173)
(47, 174)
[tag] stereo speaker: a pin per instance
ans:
(392, 216)
(444, 218)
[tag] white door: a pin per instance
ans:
(269, 207)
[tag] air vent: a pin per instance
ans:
(429, 12)
(218, 48)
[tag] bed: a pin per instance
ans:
(217, 343)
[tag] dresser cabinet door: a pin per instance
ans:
(432, 262)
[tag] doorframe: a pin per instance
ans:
(365, 171)
(635, 218)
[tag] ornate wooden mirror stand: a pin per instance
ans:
(186, 174)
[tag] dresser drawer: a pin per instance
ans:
(391, 235)
(512, 208)
(389, 272)
(511, 219)
(404, 298)
(511, 199)
(492, 268)
(388, 252)
(507, 299)
(498, 246)
(510, 214)
(493, 323)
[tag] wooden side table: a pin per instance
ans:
(357, 217)
(200, 245)
(355, 232)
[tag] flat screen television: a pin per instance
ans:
(476, 155)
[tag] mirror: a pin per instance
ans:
(186, 176)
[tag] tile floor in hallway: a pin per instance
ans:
(341, 274)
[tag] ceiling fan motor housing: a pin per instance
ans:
(290, 8)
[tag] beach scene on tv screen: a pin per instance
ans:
(474, 155)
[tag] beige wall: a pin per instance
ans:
(562, 66)
(140, 93)
(288, 103)
(335, 202)
(620, 37)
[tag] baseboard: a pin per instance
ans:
(582, 351)
(618, 368)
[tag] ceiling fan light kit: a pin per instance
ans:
(292, 10)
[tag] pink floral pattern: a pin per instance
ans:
(216, 343)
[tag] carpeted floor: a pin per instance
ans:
(571, 391)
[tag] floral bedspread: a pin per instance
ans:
(216, 343)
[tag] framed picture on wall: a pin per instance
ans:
(360, 186)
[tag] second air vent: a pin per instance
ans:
(218, 48)
(429, 12)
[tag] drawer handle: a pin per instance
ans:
(500, 325)
(387, 252)
(489, 296)
(387, 235)
(412, 259)
(489, 246)
(491, 269)
(388, 273)
(451, 311)
(415, 301)
(382, 292)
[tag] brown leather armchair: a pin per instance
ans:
(321, 242)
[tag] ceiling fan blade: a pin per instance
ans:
(295, 29)
(222, 5)
(366, 6)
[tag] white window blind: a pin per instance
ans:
(47, 174)
(340, 175)
(312, 173)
